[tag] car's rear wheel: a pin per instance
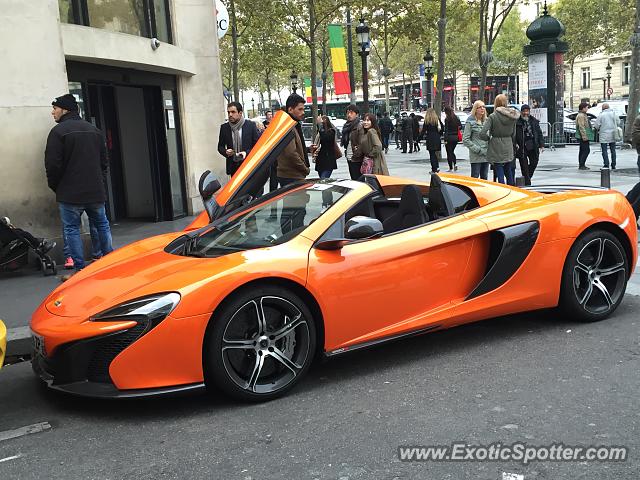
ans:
(594, 277)
(260, 345)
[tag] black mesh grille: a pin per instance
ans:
(108, 349)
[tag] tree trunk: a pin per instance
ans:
(314, 66)
(483, 82)
(634, 81)
(442, 25)
(385, 64)
(234, 43)
(571, 63)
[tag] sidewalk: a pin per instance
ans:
(21, 292)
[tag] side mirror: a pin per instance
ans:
(357, 228)
(207, 186)
(361, 227)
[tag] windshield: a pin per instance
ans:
(270, 223)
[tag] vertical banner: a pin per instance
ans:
(338, 60)
(307, 89)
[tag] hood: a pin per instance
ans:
(506, 115)
(130, 272)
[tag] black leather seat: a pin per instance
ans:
(411, 211)
(440, 205)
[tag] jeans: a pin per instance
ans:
(385, 140)
(325, 173)
(583, 153)
(605, 156)
(70, 215)
(480, 170)
(96, 250)
(502, 170)
(451, 156)
(528, 163)
(434, 161)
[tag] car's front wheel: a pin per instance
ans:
(260, 345)
(594, 277)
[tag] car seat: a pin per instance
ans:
(411, 211)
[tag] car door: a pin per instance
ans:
(249, 180)
(384, 287)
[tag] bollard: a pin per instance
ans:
(605, 178)
(520, 182)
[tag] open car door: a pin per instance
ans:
(249, 180)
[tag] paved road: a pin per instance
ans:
(534, 378)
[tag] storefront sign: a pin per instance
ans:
(222, 17)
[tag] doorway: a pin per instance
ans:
(145, 180)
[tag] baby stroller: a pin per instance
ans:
(15, 244)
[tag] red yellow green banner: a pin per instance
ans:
(339, 60)
(307, 89)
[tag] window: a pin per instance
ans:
(145, 18)
(626, 72)
(586, 78)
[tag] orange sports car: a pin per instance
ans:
(259, 285)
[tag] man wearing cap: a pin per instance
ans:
(529, 142)
(76, 163)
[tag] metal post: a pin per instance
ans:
(365, 81)
(352, 80)
(605, 178)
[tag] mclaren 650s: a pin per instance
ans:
(260, 285)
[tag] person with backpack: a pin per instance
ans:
(386, 127)
(584, 134)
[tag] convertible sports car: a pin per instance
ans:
(259, 286)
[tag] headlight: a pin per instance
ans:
(154, 308)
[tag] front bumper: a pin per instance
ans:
(82, 367)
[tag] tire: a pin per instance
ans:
(250, 352)
(594, 277)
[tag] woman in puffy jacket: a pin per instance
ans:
(471, 139)
(500, 130)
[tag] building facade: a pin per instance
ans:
(146, 72)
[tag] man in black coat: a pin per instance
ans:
(76, 163)
(529, 142)
(386, 127)
(237, 137)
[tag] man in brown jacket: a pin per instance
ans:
(293, 162)
(582, 125)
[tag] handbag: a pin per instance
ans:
(618, 134)
(336, 150)
(459, 135)
(367, 165)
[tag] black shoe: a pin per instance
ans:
(613, 167)
(45, 245)
(583, 167)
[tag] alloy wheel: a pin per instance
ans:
(265, 345)
(599, 276)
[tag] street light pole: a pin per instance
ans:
(428, 64)
(608, 69)
(362, 33)
(352, 79)
(604, 88)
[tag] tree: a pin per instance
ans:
(583, 31)
(442, 24)
(634, 84)
(492, 15)
(305, 23)
(507, 50)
